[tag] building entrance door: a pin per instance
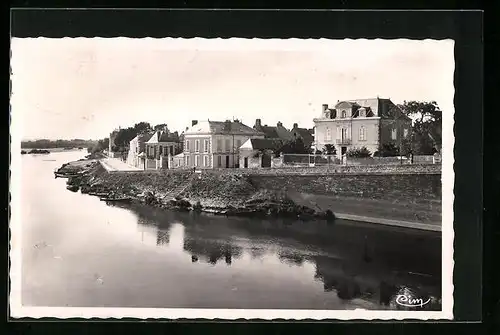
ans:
(227, 161)
(266, 160)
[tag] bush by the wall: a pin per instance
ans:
(359, 153)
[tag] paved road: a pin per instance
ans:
(115, 164)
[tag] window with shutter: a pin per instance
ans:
(219, 145)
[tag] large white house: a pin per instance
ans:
(215, 144)
(360, 123)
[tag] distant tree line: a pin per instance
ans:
(50, 144)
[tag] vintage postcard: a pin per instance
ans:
(232, 178)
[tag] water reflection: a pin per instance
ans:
(350, 262)
(93, 255)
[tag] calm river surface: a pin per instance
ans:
(80, 252)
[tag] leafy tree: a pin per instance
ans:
(358, 153)
(295, 146)
(427, 126)
(160, 126)
(387, 150)
(329, 149)
(141, 127)
(101, 145)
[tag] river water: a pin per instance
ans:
(79, 252)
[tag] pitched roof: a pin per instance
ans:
(306, 135)
(168, 137)
(269, 132)
(160, 136)
(278, 132)
(221, 127)
(380, 107)
(266, 143)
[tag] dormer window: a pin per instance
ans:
(344, 114)
(362, 112)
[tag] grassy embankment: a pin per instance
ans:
(220, 194)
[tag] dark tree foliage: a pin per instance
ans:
(329, 149)
(49, 144)
(295, 146)
(387, 150)
(358, 153)
(126, 135)
(100, 146)
(426, 136)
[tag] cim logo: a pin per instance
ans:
(409, 301)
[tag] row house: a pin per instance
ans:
(279, 132)
(137, 146)
(368, 123)
(161, 148)
(215, 144)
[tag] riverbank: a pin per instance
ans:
(405, 201)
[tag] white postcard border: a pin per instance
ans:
(17, 310)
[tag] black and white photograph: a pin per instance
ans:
(232, 178)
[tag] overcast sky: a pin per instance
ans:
(84, 88)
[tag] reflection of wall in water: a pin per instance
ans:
(349, 283)
(211, 251)
(162, 237)
(291, 258)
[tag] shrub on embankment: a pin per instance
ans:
(215, 190)
(157, 182)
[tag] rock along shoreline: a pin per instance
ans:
(185, 191)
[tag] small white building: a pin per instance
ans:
(136, 156)
(215, 144)
(161, 148)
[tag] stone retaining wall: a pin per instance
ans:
(338, 169)
(399, 188)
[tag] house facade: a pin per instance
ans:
(136, 150)
(161, 148)
(215, 144)
(360, 123)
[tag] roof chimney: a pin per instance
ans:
(279, 124)
(295, 126)
(227, 125)
(194, 123)
(324, 107)
(258, 123)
